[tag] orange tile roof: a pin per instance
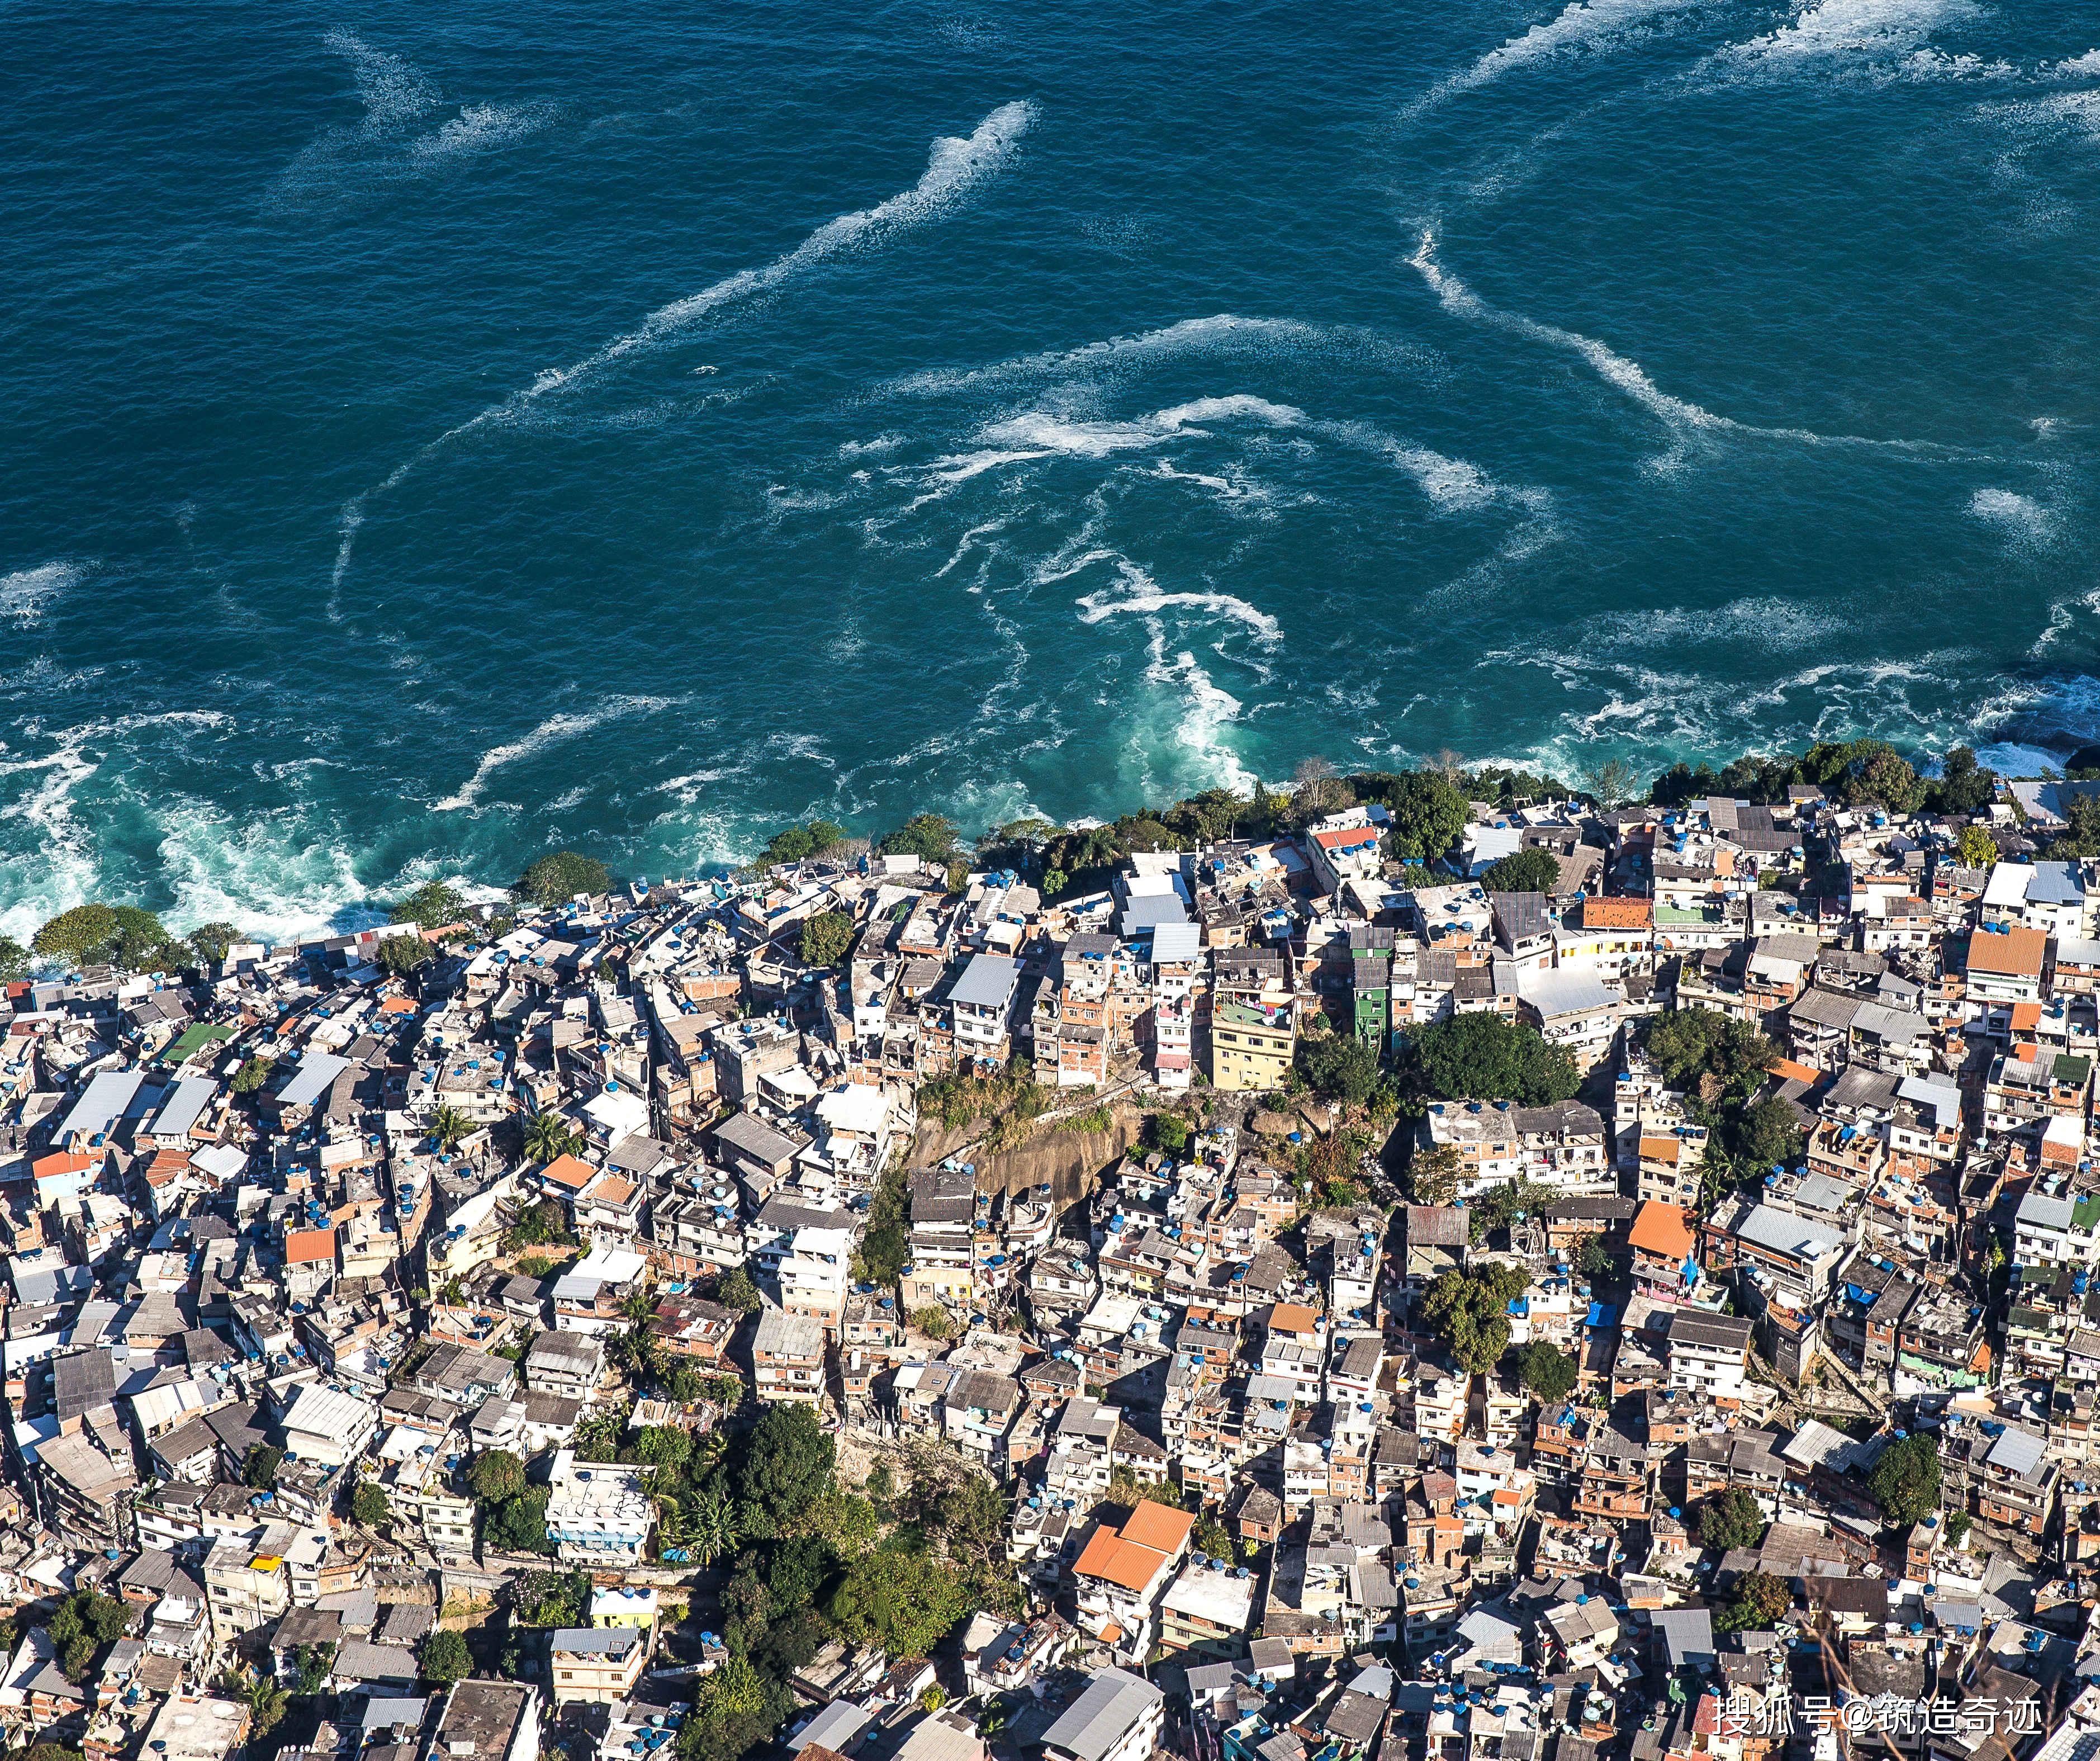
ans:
(1659, 1228)
(567, 1170)
(1346, 836)
(1292, 1318)
(1618, 913)
(1793, 1072)
(401, 1005)
(612, 1190)
(2026, 1017)
(1158, 1526)
(2016, 953)
(1662, 1149)
(62, 1162)
(307, 1246)
(1122, 1562)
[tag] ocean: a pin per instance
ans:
(439, 435)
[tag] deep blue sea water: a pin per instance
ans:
(434, 434)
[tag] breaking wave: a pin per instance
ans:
(1586, 25)
(25, 594)
(954, 167)
(554, 731)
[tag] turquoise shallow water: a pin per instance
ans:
(431, 439)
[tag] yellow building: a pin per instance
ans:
(1251, 1045)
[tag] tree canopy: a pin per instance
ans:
(904, 1602)
(1428, 812)
(1761, 1603)
(786, 1464)
(1715, 1055)
(1468, 1309)
(828, 937)
(797, 843)
(431, 906)
(1905, 1481)
(495, 1475)
(557, 877)
(1479, 1056)
(122, 936)
(926, 835)
(1549, 1373)
(1730, 1518)
(1337, 1067)
(445, 1658)
(1525, 871)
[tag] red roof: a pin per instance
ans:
(2015, 951)
(309, 1247)
(1659, 1228)
(63, 1161)
(1618, 913)
(1346, 837)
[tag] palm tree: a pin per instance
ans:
(710, 1525)
(549, 1135)
(448, 1126)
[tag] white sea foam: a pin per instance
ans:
(554, 731)
(1143, 596)
(954, 167)
(391, 143)
(2085, 66)
(1626, 376)
(1880, 40)
(1587, 24)
(482, 128)
(1451, 484)
(26, 595)
(2022, 518)
(1222, 334)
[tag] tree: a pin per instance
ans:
(1691, 1046)
(2080, 837)
(1468, 1309)
(736, 1290)
(494, 1475)
(444, 1658)
(735, 1709)
(267, 1702)
(210, 941)
(1170, 1132)
(797, 843)
(1958, 1523)
(906, 1603)
(711, 1527)
(1339, 1068)
(316, 1663)
(368, 1505)
(1610, 783)
(84, 1623)
(1593, 1259)
(1210, 1537)
(398, 955)
(1427, 814)
(253, 1074)
(519, 1524)
(1761, 1603)
(1480, 1056)
(122, 936)
(1551, 1375)
(551, 1598)
(933, 1698)
(556, 879)
(260, 1469)
(432, 905)
(449, 1125)
(1731, 1518)
(1975, 848)
(928, 837)
(1905, 1481)
(932, 1320)
(549, 1136)
(1525, 871)
(787, 1466)
(1963, 786)
(827, 938)
(1433, 1176)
